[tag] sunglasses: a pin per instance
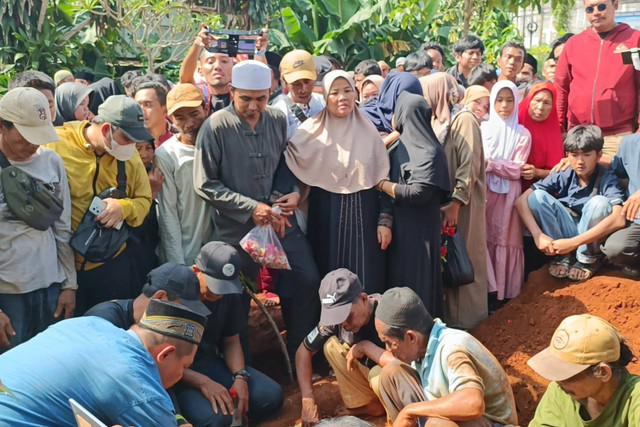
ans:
(600, 6)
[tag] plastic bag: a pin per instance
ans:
(264, 247)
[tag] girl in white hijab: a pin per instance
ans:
(506, 149)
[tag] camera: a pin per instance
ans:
(631, 57)
(236, 41)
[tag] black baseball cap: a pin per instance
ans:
(338, 291)
(220, 263)
(125, 114)
(180, 282)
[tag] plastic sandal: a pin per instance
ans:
(589, 269)
(565, 261)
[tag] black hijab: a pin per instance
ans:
(425, 161)
(102, 89)
(380, 109)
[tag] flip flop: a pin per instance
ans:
(589, 269)
(565, 261)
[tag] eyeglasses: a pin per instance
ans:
(600, 6)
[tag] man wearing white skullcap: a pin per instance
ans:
(238, 150)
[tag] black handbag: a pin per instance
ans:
(457, 269)
(92, 240)
(28, 198)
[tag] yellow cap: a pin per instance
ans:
(184, 95)
(297, 65)
(579, 342)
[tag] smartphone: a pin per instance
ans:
(97, 206)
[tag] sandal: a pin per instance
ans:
(565, 261)
(631, 272)
(589, 270)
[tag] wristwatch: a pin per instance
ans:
(242, 373)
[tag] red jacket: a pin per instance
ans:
(594, 86)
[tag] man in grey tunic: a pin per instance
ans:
(238, 152)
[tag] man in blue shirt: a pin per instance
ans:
(442, 376)
(623, 246)
(119, 376)
(573, 211)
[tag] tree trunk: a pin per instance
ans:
(468, 12)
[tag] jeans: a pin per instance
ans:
(265, 395)
(557, 223)
(30, 313)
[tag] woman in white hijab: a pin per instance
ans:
(338, 157)
(506, 149)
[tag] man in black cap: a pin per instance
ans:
(219, 366)
(347, 335)
(94, 154)
(119, 376)
(169, 282)
(529, 72)
(452, 378)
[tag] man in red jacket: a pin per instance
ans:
(594, 86)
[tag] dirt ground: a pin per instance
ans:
(513, 334)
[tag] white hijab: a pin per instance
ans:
(500, 136)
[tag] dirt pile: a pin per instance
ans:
(525, 325)
(513, 334)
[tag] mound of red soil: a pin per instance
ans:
(513, 334)
(525, 325)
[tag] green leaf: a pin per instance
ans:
(297, 30)
(279, 38)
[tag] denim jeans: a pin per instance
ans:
(557, 223)
(30, 313)
(265, 395)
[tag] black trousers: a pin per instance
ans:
(119, 278)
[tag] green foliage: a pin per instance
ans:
(561, 15)
(352, 30)
(541, 53)
(495, 28)
(41, 36)
(159, 31)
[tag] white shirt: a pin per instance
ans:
(316, 105)
(183, 217)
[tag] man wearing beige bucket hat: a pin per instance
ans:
(591, 386)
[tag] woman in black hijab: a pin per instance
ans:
(419, 184)
(103, 89)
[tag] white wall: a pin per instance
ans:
(628, 12)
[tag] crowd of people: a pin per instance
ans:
(127, 216)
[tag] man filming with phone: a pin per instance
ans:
(215, 67)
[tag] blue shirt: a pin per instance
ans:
(104, 368)
(455, 360)
(626, 163)
(566, 188)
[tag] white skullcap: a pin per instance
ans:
(251, 75)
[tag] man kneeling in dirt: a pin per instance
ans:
(347, 334)
(587, 364)
(453, 380)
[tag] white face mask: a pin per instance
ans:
(119, 152)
